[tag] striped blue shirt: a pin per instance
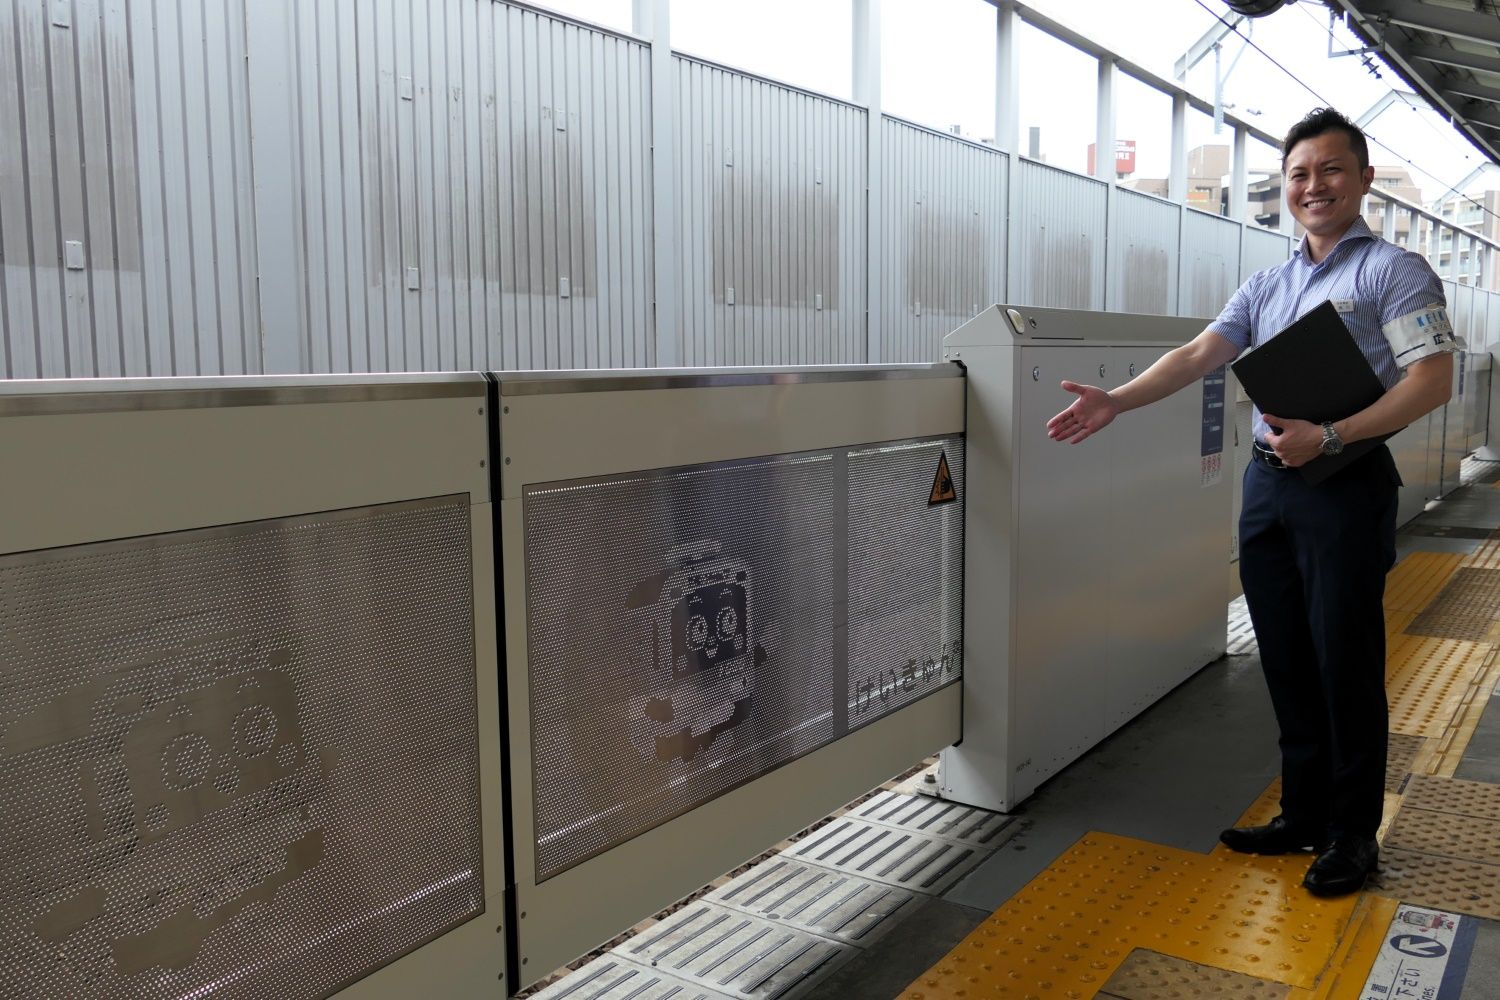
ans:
(1371, 281)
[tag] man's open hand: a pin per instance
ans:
(1092, 411)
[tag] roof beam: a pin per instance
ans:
(1455, 57)
(1480, 115)
(1420, 75)
(1472, 90)
(1466, 24)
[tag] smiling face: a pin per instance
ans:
(1325, 187)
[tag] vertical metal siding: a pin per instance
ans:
(944, 219)
(1143, 254)
(126, 132)
(1492, 325)
(1062, 219)
(475, 181)
(1210, 263)
(771, 182)
(1461, 310)
(1263, 249)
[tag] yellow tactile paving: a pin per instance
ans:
(1416, 579)
(1068, 931)
(1448, 751)
(1345, 976)
(1396, 622)
(1073, 926)
(1426, 680)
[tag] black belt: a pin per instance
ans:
(1267, 456)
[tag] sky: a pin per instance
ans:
(938, 66)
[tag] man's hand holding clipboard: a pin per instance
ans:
(1313, 371)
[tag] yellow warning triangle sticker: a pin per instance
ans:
(942, 484)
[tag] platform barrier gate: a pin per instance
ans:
(249, 727)
(262, 731)
(732, 603)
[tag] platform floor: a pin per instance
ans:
(1109, 882)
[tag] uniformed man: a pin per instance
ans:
(1313, 558)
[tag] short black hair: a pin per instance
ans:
(1319, 121)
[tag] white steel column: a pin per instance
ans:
(1239, 177)
(653, 20)
(1177, 173)
(1104, 128)
(1177, 186)
(278, 202)
(1007, 78)
(1008, 129)
(1104, 163)
(867, 92)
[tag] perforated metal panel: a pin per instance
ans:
(905, 575)
(691, 629)
(237, 760)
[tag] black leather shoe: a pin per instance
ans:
(1342, 868)
(1276, 837)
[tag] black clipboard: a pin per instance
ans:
(1313, 370)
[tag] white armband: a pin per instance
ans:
(1421, 334)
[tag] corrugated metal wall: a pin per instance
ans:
(469, 184)
(475, 179)
(1143, 254)
(771, 245)
(1461, 306)
(943, 212)
(126, 223)
(1263, 249)
(1210, 263)
(1061, 217)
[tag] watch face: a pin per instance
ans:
(1332, 445)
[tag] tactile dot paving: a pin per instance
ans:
(1401, 750)
(1439, 883)
(1265, 807)
(1487, 556)
(1447, 834)
(1417, 578)
(1453, 795)
(1465, 607)
(1072, 926)
(1426, 680)
(1149, 975)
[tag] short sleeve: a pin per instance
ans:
(1413, 310)
(1233, 322)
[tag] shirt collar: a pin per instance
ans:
(1359, 230)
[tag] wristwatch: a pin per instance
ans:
(1332, 443)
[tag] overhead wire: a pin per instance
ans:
(1325, 103)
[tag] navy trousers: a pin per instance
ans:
(1313, 562)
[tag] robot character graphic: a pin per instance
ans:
(691, 645)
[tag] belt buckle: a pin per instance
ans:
(1268, 456)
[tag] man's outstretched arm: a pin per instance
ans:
(1094, 408)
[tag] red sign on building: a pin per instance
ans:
(1124, 157)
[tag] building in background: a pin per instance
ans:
(1480, 213)
(1207, 180)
